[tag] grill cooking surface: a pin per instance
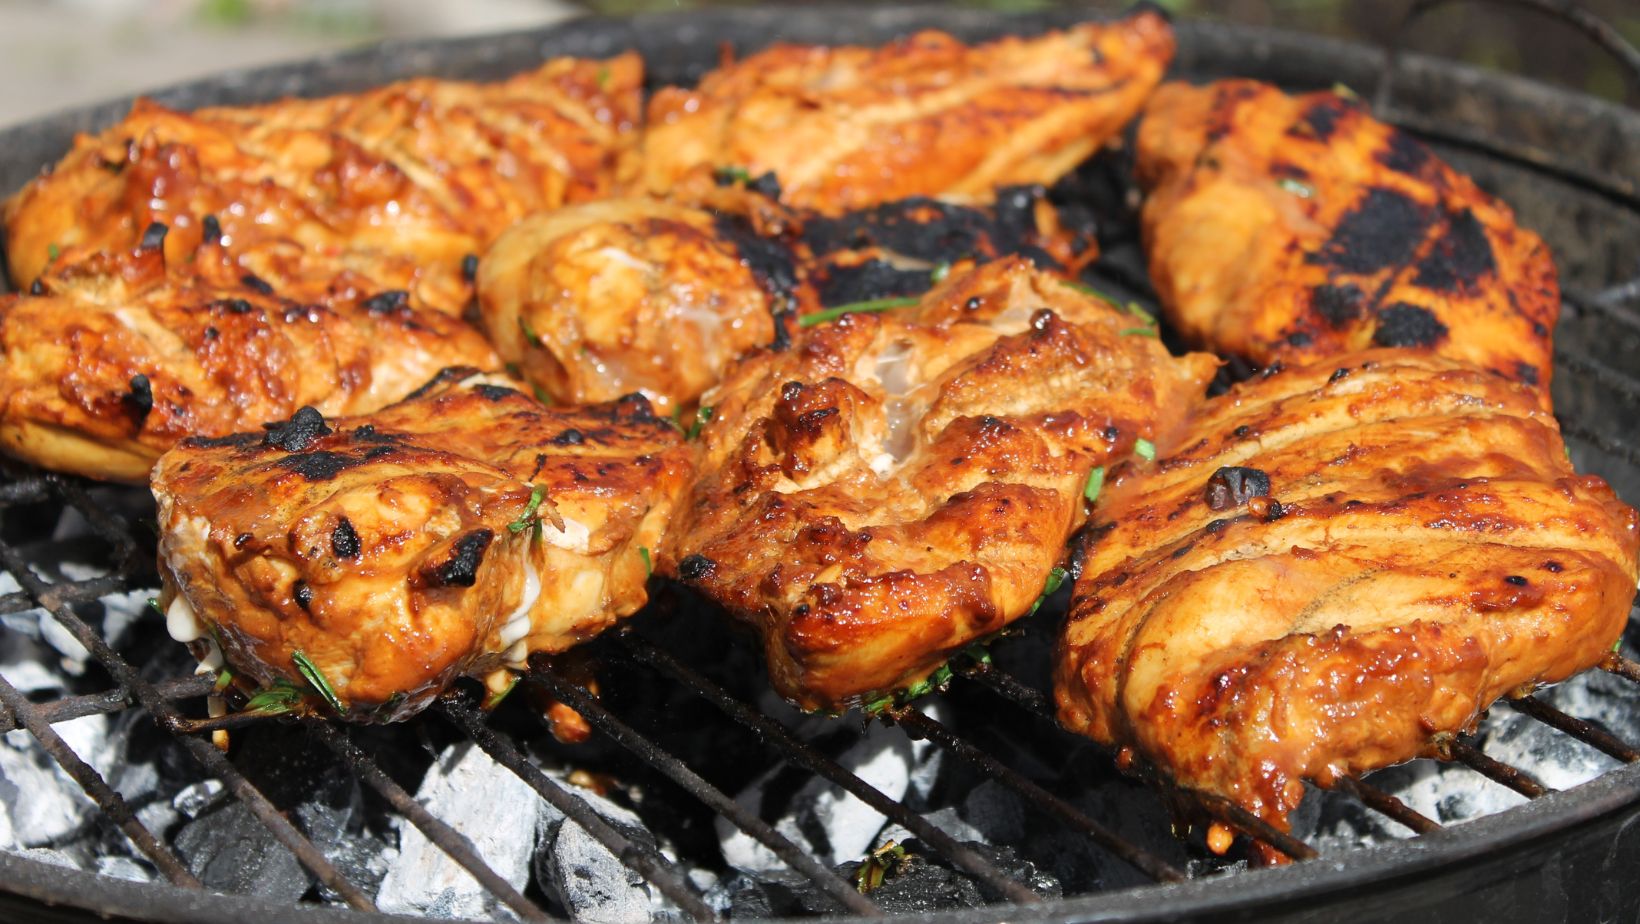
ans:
(690, 759)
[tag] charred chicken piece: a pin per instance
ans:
(1339, 566)
(1299, 227)
(601, 299)
(891, 487)
(411, 177)
(454, 533)
(849, 127)
(116, 358)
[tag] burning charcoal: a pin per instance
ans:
(231, 851)
(946, 819)
(822, 818)
(996, 812)
(583, 876)
(124, 868)
(775, 893)
(924, 882)
(39, 804)
(483, 800)
(195, 798)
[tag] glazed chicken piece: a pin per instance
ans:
(114, 359)
(451, 534)
(891, 487)
(1342, 565)
(601, 299)
(848, 127)
(410, 178)
(1298, 227)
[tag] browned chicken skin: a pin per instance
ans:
(1298, 227)
(453, 533)
(601, 299)
(892, 487)
(1340, 564)
(408, 178)
(118, 357)
(847, 127)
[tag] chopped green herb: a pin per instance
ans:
(1343, 89)
(1134, 309)
(1145, 449)
(277, 699)
(1618, 645)
(878, 706)
(1056, 579)
(529, 333)
(316, 679)
(153, 604)
(941, 678)
(977, 653)
(494, 699)
(53, 252)
(1096, 483)
(1299, 189)
(731, 174)
(832, 314)
(916, 691)
(648, 565)
(603, 77)
(1139, 332)
(1086, 289)
(875, 868)
(941, 271)
(224, 677)
(528, 517)
(541, 394)
(703, 416)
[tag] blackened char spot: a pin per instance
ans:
(1526, 372)
(321, 465)
(570, 437)
(344, 540)
(232, 440)
(1459, 258)
(256, 283)
(385, 302)
(495, 392)
(37, 287)
(1404, 325)
(461, 568)
(210, 229)
(1299, 339)
(766, 185)
(1321, 117)
(140, 399)
(469, 267)
(769, 260)
(232, 305)
(695, 567)
(872, 279)
(369, 434)
(447, 374)
(1404, 154)
(302, 594)
(1338, 305)
(1234, 485)
(153, 237)
(299, 432)
(1382, 232)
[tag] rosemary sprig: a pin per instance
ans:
(494, 699)
(865, 307)
(529, 332)
(1096, 483)
(316, 679)
(703, 416)
(648, 564)
(277, 699)
(875, 868)
(1056, 579)
(528, 518)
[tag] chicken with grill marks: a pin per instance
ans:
(1341, 564)
(402, 182)
(115, 358)
(453, 533)
(849, 127)
(601, 299)
(1299, 227)
(891, 487)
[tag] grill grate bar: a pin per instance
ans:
(647, 862)
(1581, 730)
(108, 701)
(1622, 667)
(88, 591)
(1253, 826)
(1454, 748)
(1615, 379)
(1386, 804)
(577, 698)
(1009, 688)
(109, 524)
(111, 803)
(1143, 860)
(207, 755)
(778, 736)
(448, 839)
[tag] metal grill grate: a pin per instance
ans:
(41, 584)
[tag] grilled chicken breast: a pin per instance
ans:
(848, 127)
(891, 487)
(597, 300)
(410, 178)
(1299, 227)
(1339, 565)
(452, 533)
(114, 359)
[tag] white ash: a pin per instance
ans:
(820, 817)
(39, 803)
(585, 877)
(497, 812)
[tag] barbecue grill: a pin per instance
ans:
(685, 720)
